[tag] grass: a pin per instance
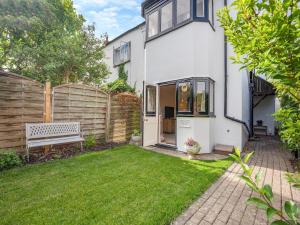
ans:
(126, 185)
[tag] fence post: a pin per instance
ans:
(108, 111)
(47, 108)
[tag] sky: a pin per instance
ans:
(110, 16)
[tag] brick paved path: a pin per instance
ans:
(225, 201)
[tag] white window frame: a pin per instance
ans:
(122, 54)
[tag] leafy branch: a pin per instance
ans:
(289, 215)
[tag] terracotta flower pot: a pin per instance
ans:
(193, 151)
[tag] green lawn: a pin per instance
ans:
(126, 185)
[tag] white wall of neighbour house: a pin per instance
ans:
(195, 50)
(135, 67)
(264, 112)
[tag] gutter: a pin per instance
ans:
(226, 88)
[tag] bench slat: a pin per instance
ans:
(54, 141)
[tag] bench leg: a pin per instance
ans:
(27, 154)
(81, 146)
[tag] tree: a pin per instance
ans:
(50, 43)
(265, 37)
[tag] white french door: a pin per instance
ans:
(150, 133)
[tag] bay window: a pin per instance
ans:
(195, 97)
(183, 10)
(166, 17)
(184, 97)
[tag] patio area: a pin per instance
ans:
(225, 201)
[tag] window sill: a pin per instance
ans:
(123, 63)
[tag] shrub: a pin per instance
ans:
(9, 160)
(136, 132)
(90, 141)
(119, 86)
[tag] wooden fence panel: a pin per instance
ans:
(125, 113)
(81, 103)
(21, 101)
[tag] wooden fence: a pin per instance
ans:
(124, 117)
(84, 104)
(22, 100)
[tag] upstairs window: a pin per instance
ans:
(183, 10)
(167, 17)
(200, 8)
(121, 54)
(153, 24)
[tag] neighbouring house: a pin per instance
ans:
(179, 59)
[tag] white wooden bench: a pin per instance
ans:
(45, 134)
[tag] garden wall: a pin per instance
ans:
(22, 100)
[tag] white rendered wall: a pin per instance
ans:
(134, 68)
(264, 112)
(199, 128)
(196, 50)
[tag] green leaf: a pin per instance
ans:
(250, 183)
(279, 222)
(267, 191)
(235, 158)
(291, 210)
(248, 157)
(258, 202)
(271, 212)
(258, 176)
(237, 152)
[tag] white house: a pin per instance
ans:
(179, 59)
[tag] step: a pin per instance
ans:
(223, 149)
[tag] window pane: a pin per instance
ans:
(166, 16)
(153, 24)
(211, 97)
(183, 10)
(121, 54)
(200, 8)
(201, 98)
(184, 97)
(151, 100)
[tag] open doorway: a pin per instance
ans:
(167, 114)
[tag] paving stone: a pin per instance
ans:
(225, 202)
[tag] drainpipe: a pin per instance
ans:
(226, 87)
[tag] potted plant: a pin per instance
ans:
(136, 136)
(192, 148)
